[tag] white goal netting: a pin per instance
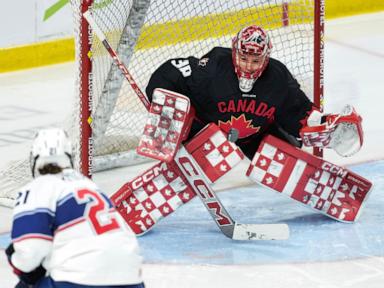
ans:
(146, 33)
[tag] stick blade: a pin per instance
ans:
(260, 232)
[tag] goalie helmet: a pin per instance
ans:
(51, 146)
(251, 48)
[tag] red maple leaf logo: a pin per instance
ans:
(240, 123)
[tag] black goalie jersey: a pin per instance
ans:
(275, 100)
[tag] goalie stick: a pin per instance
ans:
(91, 21)
(222, 218)
(160, 145)
(224, 221)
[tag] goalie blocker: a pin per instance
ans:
(327, 188)
(169, 121)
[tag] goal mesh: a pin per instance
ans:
(145, 34)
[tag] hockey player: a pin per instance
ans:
(245, 89)
(65, 231)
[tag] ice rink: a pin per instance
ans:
(187, 249)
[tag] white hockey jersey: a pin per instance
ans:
(66, 223)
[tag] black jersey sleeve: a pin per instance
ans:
(173, 75)
(296, 106)
(189, 76)
(181, 75)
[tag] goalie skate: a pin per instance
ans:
(329, 189)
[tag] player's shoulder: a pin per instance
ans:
(57, 182)
(277, 69)
(74, 180)
(216, 60)
(39, 193)
(72, 175)
(276, 64)
(47, 185)
(43, 181)
(217, 55)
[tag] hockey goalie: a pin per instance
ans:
(235, 102)
(278, 165)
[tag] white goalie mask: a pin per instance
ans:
(254, 42)
(51, 146)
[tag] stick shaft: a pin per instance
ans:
(116, 59)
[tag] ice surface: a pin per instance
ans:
(187, 249)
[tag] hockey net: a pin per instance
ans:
(108, 117)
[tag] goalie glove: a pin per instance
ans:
(341, 132)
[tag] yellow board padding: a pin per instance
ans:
(34, 55)
(217, 25)
(62, 50)
(343, 8)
